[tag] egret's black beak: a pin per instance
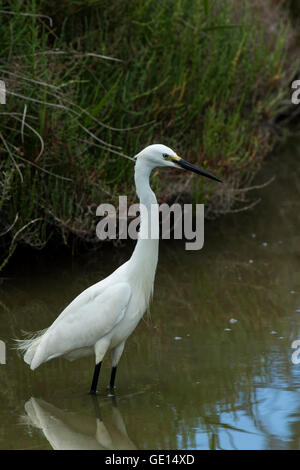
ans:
(188, 166)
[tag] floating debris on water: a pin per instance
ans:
(177, 338)
(253, 235)
(227, 329)
(251, 261)
(292, 292)
(233, 320)
(265, 244)
(273, 332)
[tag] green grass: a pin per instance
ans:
(202, 77)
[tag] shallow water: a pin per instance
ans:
(210, 369)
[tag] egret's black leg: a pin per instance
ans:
(112, 377)
(95, 379)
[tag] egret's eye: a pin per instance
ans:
(167, 157)
(170, 158)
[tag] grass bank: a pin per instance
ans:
(90, 83)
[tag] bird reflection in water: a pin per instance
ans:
(75, 431)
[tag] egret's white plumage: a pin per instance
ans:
(102, 317)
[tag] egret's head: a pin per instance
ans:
(158, 155)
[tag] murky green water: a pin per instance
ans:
(191, 377)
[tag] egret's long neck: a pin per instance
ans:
(145, 254)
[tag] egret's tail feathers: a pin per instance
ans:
(28, 346)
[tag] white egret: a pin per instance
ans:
(103, 316)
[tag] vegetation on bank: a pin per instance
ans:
(90, 83)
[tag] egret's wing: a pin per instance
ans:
(84, 322)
